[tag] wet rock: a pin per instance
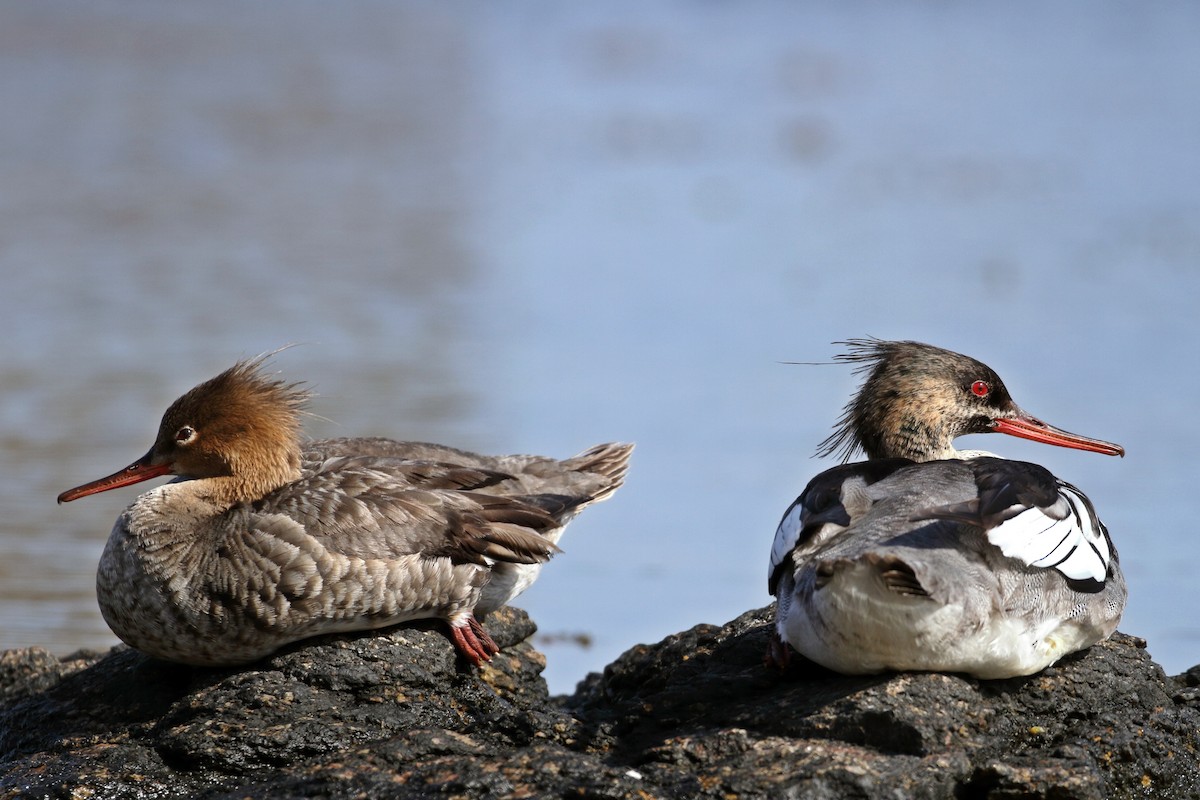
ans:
(697, 715)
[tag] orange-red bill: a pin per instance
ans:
(138, 471)
(1033, 428)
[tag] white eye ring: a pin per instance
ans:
(185, 435)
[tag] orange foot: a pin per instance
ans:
(778, 655)
(473, 642)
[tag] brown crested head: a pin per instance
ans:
(239, 430)
(915, 399)
(241, 422)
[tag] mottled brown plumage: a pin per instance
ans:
(262, 540)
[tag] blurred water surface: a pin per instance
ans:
(532, 227)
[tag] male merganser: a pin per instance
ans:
(263, 540)
(927, 558)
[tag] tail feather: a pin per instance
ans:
(609, 461)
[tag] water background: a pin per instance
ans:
(534, 226)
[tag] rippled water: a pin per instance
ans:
(536, 227)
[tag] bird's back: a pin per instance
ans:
(591, 476)
(899, 583)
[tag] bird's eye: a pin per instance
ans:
(980, 388)
(185, 435)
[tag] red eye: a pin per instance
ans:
(980, 389)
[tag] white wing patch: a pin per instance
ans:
(1066, 536)
(787, 535)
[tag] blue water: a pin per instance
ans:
(536, 227)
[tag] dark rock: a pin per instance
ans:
(698, 715)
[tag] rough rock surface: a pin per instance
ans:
(697, 715)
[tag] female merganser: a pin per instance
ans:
(927, 558)
(263, 540)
